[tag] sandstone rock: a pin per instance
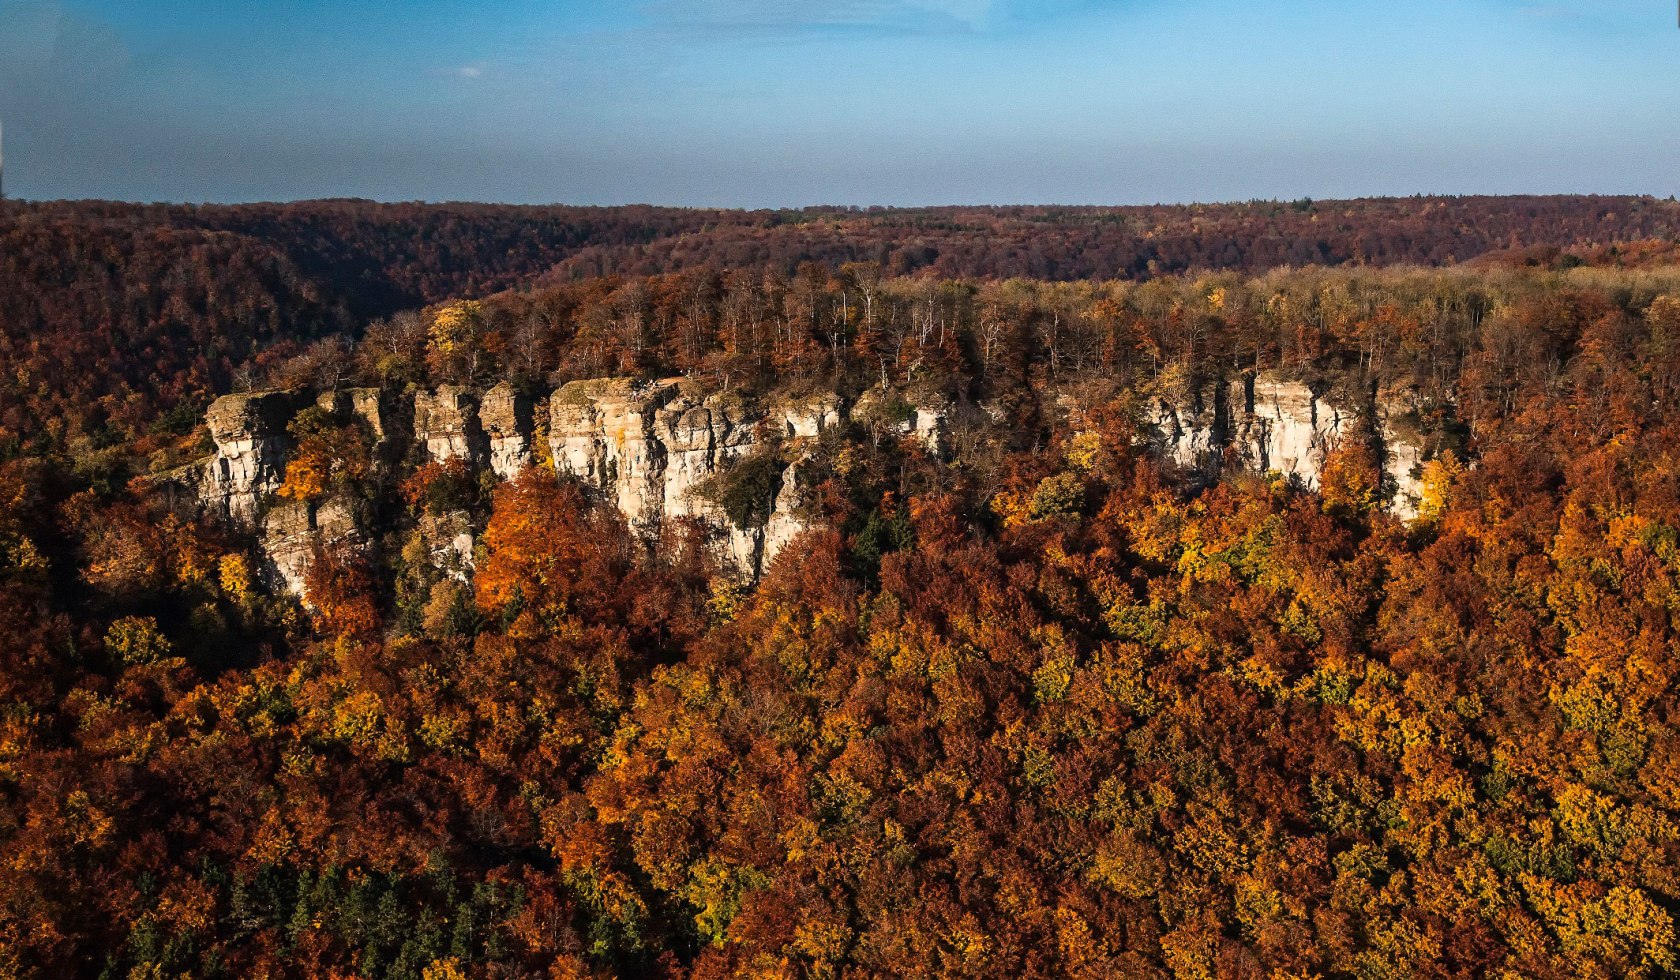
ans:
(292, 531)
(506, 418)
(446, 423)
(251, 444)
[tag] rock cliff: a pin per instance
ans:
(446, 424)
(293, 531)
(653, 449)
(665, 451)
(1265, 423)
(251, 445)
(505, 416)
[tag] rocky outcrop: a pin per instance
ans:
(926, 419)
(665, 451)
(651, 449)
(365, 404)
(1267, 423)
(1282, 426)
(602, 433)
(446, 423)
(294, 531)
(699, 439)
(449, 541)
(505, 416)
(810, 417)
(784, 523)
(1406, 448)
(251, 443)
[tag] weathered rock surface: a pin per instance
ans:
(1406, 448)
(446, 423)
(650, 447)
(1190, 423)
(810, 417)
(926, 419)
(251, 444)
(784, 523)
(602, 433)
(292, 532)
(505, 416)
(656, 449)
(450, 541)
(1264, 423)
(366, 404)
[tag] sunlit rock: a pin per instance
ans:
(294, 532)
(446, 423)
(251, 443)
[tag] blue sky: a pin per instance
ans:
(790, 102)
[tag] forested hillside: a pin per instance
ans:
(1055, 676)
(113, 315)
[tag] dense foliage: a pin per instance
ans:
(117, 319)
(1047, 710)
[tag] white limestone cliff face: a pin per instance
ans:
(446, 423)
(926, 419)
(810, 417)
(699, 439)
(450, 541)
(1188, 427)
(1405, 449)
(1283, 426)
(602, 433)
(784, 523)
(650, 447)
(293, 532)
(1266, 423)
(505, 416)
(365, 404)
(930, 429)
(251, 445)
(647, 448)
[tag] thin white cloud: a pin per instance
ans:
(468, 72)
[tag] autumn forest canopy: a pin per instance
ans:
(1281, 589)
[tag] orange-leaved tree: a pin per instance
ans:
(552, 560)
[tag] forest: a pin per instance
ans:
(113, 316)
(1041, 703)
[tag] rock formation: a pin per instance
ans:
(1266, 423)
(292, 532)
(446, 423)
(505, 416)
(363, 403)
(664, 451)
(251, 444)
(650, 448)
